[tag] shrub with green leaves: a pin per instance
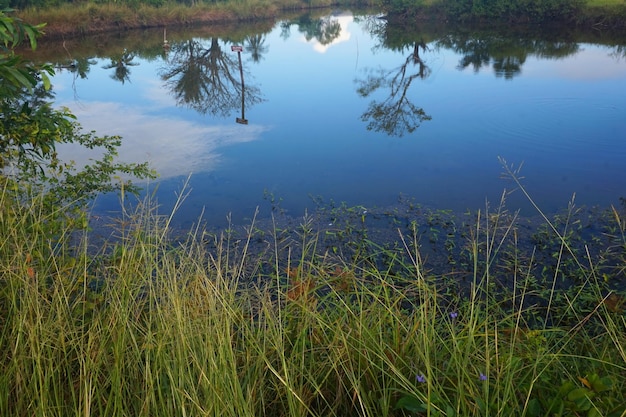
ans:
(30, 129)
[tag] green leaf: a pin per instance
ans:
(32, 34)
(577, 394)
(410, 403)
(46, 81)
(599, 384)
(594, 413)
(566, 388)
(534, 408)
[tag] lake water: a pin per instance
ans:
(341, 108)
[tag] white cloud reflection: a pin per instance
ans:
(172, 146)
(344, 35)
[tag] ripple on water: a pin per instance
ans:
(556, 125)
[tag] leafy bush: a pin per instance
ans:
(529, 10)
(30, 129)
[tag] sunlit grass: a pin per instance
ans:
(148, 325)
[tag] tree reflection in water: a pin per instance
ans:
(396, 115)
(325, 29)
(206, 77)
(256, 45)
(121, 63)
(506, 55)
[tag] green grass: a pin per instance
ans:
(605, 3)
(146, 325)
(88, 17)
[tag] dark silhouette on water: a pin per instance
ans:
(396, 115)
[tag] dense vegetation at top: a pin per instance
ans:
(80, 17)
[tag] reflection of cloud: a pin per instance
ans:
(172, 146)
(156, 95)
(344, 35)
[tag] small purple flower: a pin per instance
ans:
(483, 377)
(454, 315)
(420, 378)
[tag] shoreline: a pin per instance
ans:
(94, 19)
(97, 20)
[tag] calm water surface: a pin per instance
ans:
(336, 112)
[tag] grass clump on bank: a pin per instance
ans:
(146, 325)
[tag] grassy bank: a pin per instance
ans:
(86, 18)
(89, 18)
(146, 325)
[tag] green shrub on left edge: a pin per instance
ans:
(30, 129)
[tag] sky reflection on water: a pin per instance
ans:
(561, 116)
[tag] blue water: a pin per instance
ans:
(563, 118)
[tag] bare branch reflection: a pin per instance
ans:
(206, 77)
(396, 115)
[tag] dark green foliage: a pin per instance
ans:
(16, 75)
(26, 129)
(22, 4)
(30, 129)
(492, 10)
(514, 10)
(401, 7)
(591, 396)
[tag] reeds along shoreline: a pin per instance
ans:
(148, 326)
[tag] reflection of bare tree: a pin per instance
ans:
(255, 44)
(378, 28)
(424, 71)
(396, 115)
(121, 64)
(206, 78)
